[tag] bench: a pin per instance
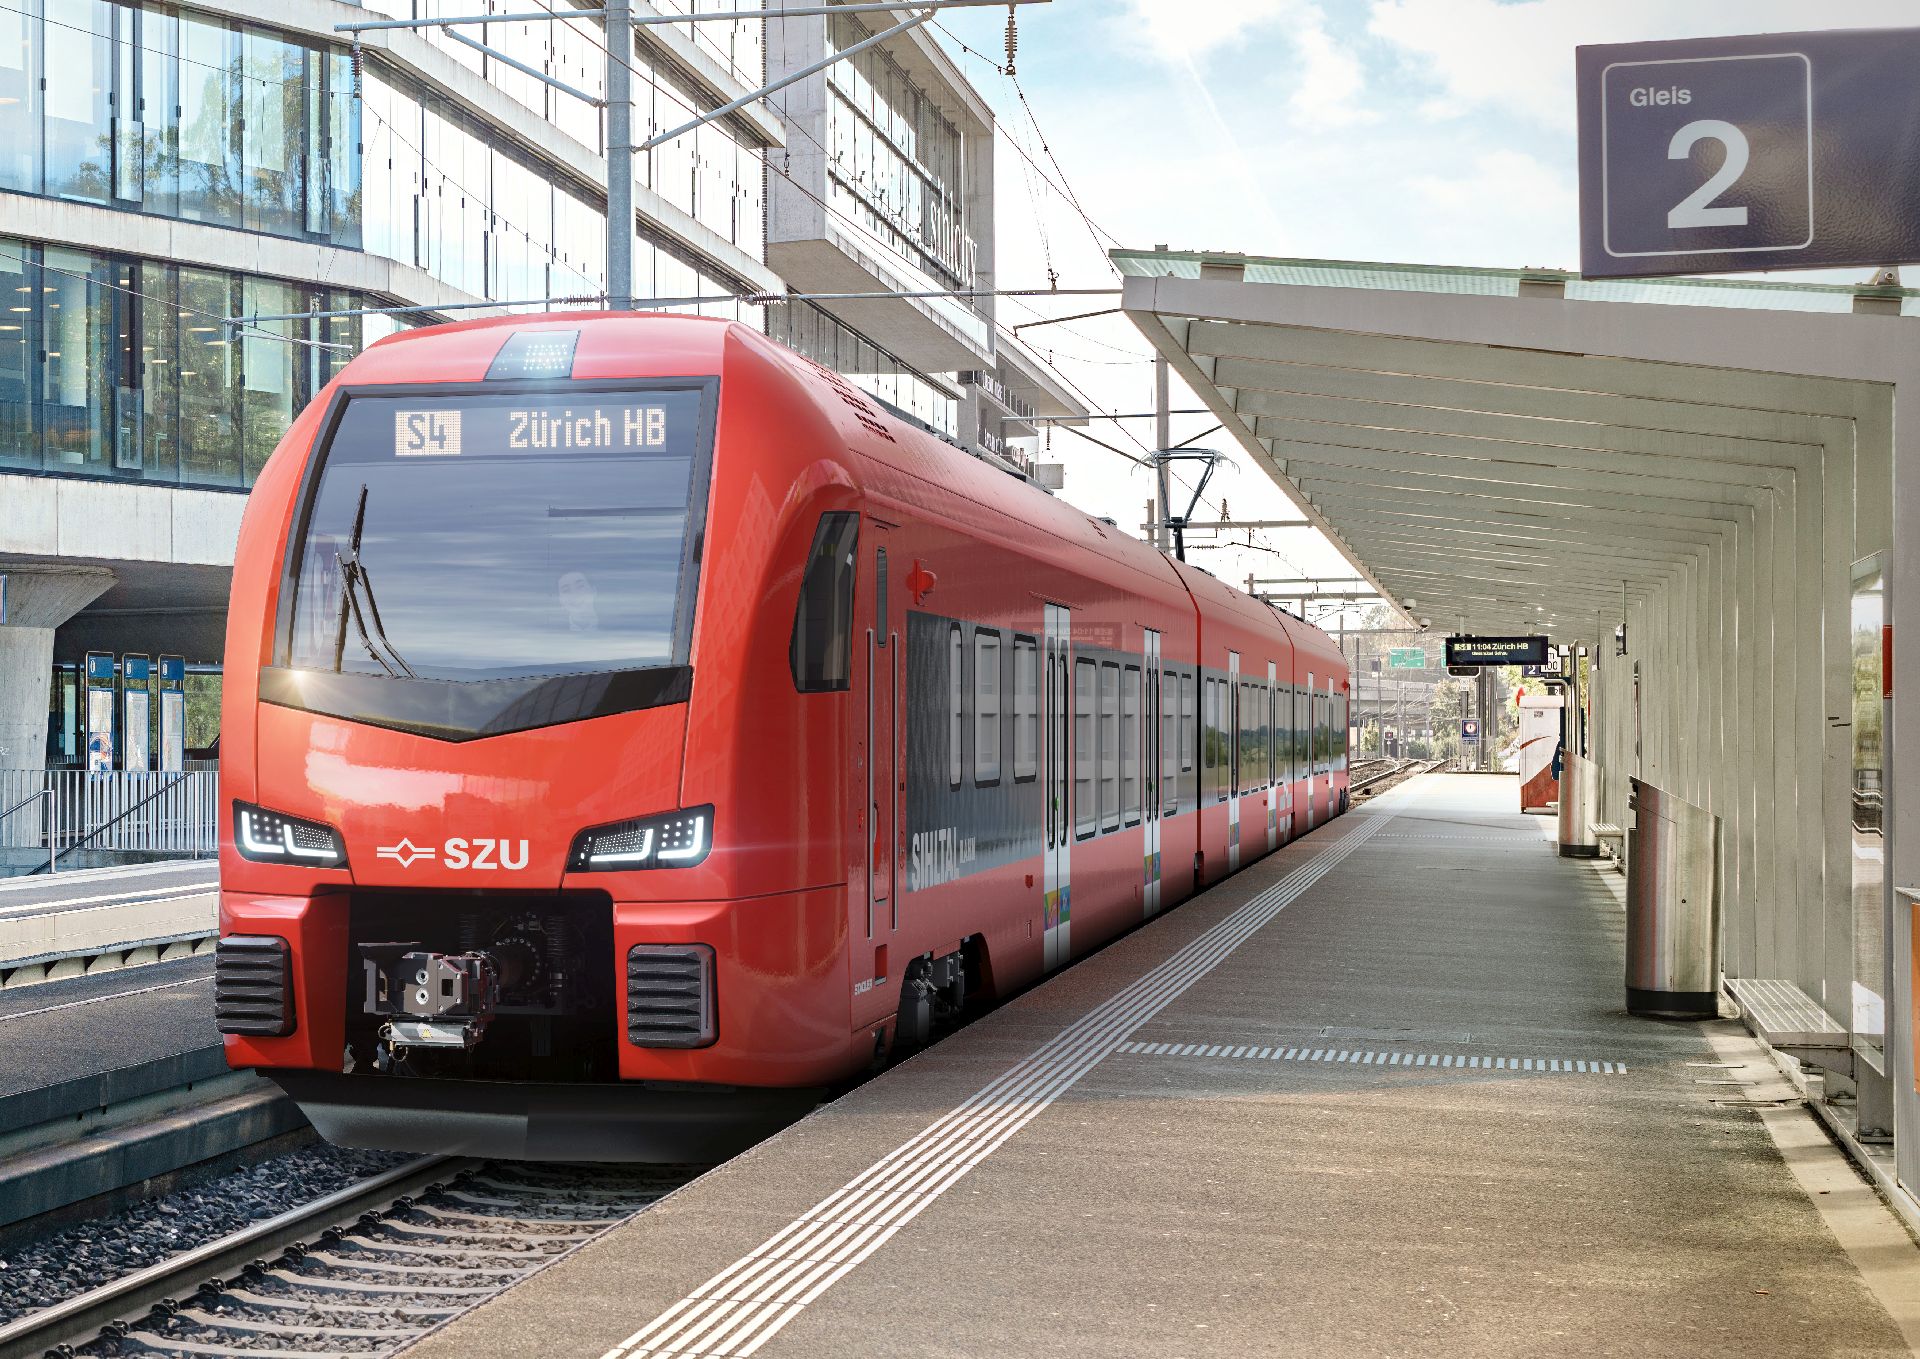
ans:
(1607, 834)
(1792, 1022)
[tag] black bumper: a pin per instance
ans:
(528, 1121)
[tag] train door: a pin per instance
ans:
(874, 906)
(1274, 784)
(1329, 716)
(1230, 718)
(1304, 740)
(1057, 915)
(1155, 703)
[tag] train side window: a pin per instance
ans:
(1206, 734)
(1273, 733)
(1342, 728)
(1109, 746)
(1026, 708)
(1186, 724)
(956, 710)
(1130, 781)
(1252, 762)
(1306, 711)
(1169, 743)
(820, 652)
(986, 707)
(1086, 812)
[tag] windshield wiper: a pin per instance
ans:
(353, 580)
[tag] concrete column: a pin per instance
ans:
(39, 599)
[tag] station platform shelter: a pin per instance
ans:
(1375, 1094)
(1709, 493)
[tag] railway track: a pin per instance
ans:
(360, 1272)
(1392, 769)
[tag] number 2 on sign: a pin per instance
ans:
(1695, 209)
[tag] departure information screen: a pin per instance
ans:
(514, 426)
(1472, 651)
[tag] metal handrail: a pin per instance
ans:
(109, 825)
(46, 793)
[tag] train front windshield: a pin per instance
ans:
(491, 536)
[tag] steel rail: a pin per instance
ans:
(1398, 769)
(80, 1318)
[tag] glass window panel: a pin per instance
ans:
(19, 98)
(1026, 708)
(269, 397)
(157, 143)
(497, 563)
(1086, 810)
(209, 126)
(1130, 781)
(19, 348)
(274, 81)
(76, 383)
(956, 712)
(986, 707)
(1169, 741)
(159, 372)
(209, 387)
(79, 49)
(1109, 746)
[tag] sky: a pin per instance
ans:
(1419, 131)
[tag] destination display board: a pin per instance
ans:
(1773, 151)
(1481, 651)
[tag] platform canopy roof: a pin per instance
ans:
(1506, 451)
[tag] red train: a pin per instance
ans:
(630, 728)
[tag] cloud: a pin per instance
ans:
(1181, 30)
(1516, 56)
(1331, 91)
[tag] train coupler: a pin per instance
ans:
(430, 1000)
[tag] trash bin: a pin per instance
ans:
(1673, 906)
(1579, 792)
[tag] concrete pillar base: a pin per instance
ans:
(39, 599)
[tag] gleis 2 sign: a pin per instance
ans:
(1718, 155)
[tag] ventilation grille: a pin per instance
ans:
(863, 412)
(252, 991)
(670, 996)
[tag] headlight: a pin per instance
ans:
(276, 838)
(673, 840)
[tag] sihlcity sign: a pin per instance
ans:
(1772, 151)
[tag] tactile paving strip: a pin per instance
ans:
(1575, 1066)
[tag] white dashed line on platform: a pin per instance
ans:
(1446, 1061)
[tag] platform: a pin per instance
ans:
(1375, 1095)
(82, 1042)
(99, 919)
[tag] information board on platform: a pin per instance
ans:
(136, 696)
(1775, 151)
(1480, 651)
(99, 689)
(173, 714)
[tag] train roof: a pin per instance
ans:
(895, 457)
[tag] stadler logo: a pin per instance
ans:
(459, 853)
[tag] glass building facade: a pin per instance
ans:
(896, 164)
(120, 366)
(832, 344)
(178, 115)
(124, 367)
